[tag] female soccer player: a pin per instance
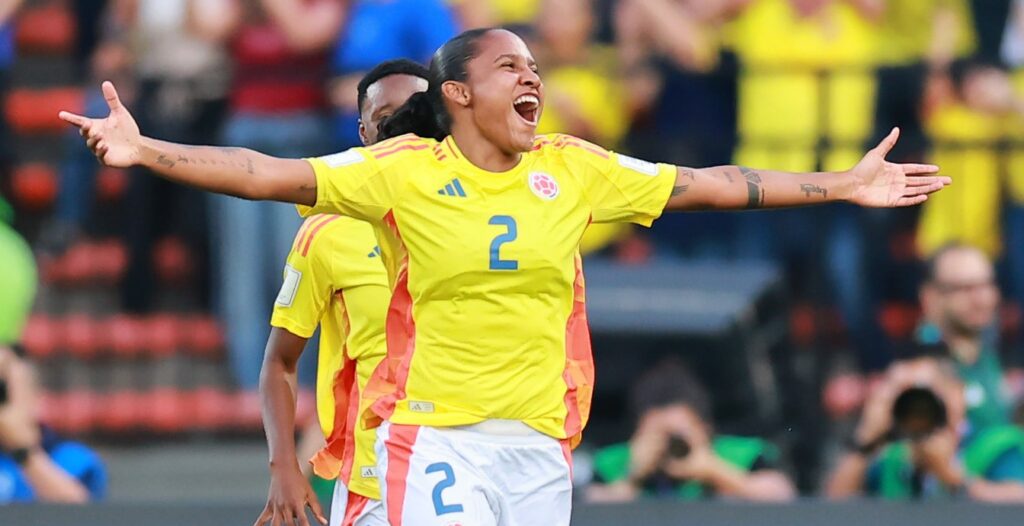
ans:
(488, 376)
(334, 278)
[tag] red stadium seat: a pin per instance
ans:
(111, 184)
(167, 410)
(111, 260)
(802, 326)
(248, 416)
(78, 411)
(34, 185)
(162, 334)
(79, 336)
(121, 411)
(211, 409)
(203, 336)
(45, 29)
(78, 264)
(40, 336)
(172, 260)
(898, 320)
(35, 111)
(125, 335)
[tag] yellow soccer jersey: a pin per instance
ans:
(487, 316)
(335, 278)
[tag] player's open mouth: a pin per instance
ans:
(528, 107)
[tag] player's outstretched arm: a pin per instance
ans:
(874, 182)
(117, 142)
(290, 492)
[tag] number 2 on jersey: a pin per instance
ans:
(511, 233)
(440, 508)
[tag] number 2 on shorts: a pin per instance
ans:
(440, 508)
(511, 233)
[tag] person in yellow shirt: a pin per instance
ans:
(585, 97)
(488, 377)
(333, 279)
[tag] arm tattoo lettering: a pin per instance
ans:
(755, 193)
(249, 166)
(164, 161)
(680, 189)
(809, 189)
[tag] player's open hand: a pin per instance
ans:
(115, 140)
(881, 184)
(290, 494)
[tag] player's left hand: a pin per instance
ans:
(878, 183)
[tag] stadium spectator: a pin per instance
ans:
(376, 31)
(960, 301)
(36, 464)
(805, 102)
(583, 87)
(674, 452)
(182, 80)
(276, 103)
(106, 54)
(909, 443)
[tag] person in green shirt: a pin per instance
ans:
(912, 456)
(960, 303)
(17, 278)
(674, 452)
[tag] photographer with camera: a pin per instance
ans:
(910, 442)
(674, 453)
(36, 465)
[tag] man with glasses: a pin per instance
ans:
(960, 303)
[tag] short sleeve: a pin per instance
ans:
(84, 465)
(350, 183)
(1007, 467)
(621, 189)
(306, 287)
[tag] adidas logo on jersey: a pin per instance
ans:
(453, 189)
(368, 472)
(374, 253)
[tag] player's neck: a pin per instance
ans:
(482, 153)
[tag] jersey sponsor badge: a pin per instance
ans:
(638, 165)
(290, 286)
(344, 158)
(543, 185)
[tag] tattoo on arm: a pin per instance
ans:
(809, 189)
(680, 189)
(164, 161)
(755, 193)
(725, 175)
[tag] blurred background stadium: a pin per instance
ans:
(145, 351)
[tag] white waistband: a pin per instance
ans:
(496, 426)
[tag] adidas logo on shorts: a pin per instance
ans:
(421, 407)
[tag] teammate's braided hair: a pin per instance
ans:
(424, 113)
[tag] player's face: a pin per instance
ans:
(506, 94)
(382, 99)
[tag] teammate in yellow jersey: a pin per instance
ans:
(488, 376)
(334, 278)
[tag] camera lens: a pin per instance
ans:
(918, 412)
(678, 447)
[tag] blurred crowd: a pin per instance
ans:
(799, 85)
